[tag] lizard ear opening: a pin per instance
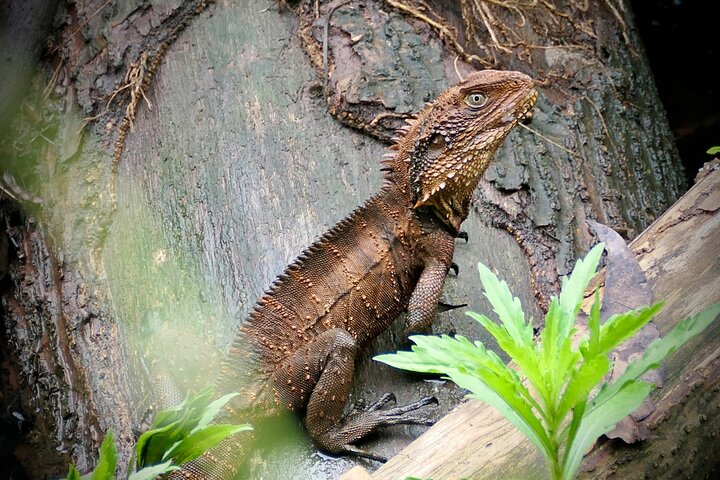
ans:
(437, 142)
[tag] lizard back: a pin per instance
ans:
(358, 276)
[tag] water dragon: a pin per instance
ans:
(297, 349)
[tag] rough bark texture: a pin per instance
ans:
(238, 167)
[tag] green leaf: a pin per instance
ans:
(502, 395)
(619, 328)
(73, 474)
(152, 472)
(213, 409)
(602, 419)
(523, 354)
(173, 425)
(570, 434)
(203, 440)
(105, 469)
(514, 335)
(442, 354)
(713, 150)
(507, 307)
(659, 349)
(593, 345)
(582, 381)
(152, 445)
(573, 290)
(481, 372)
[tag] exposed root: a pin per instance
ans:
(442, 28)
(137, 79)
(457, 72)
(385, 115)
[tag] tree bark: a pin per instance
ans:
(238, 166)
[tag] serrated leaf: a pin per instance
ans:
(522, 354)
(593, 343)
(203, 440)
(573, 290)
(619, 328)
(582, 381)
(73, 474)
(602, 419)
(432, 354)
(658, 350)
(502, 396)
(507, 307)
(105, 468)
(458, 358)
(154, 471)
(213, 409)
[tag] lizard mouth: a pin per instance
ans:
(527, 116)
(522, 112)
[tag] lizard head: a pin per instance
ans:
(450, 143)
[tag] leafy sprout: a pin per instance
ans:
(558, 396)
(178, 435)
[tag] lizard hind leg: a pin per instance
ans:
(319, 377)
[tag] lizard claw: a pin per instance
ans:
(374, 416)
(444, 307)
(364, 453)
(386, 398)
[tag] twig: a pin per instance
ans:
(624, 28)
(602, 119)
(457, 72)
(552, 142)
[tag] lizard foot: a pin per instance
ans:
(360, 423)
(376, 415)
(386, 398)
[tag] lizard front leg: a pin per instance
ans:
(437, 251)
(319, 376)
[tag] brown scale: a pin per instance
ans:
(297, 349)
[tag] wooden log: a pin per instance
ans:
(679, 255)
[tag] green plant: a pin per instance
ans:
(177, 435)
(713, 150)
(553, 398)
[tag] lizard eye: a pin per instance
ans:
(476, 99)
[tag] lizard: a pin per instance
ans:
(296, 350)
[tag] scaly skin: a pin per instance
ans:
(296, 350)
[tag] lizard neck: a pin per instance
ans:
(451, 207)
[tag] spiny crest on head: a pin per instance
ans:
(445, 149)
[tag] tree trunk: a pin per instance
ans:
(238, 166)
